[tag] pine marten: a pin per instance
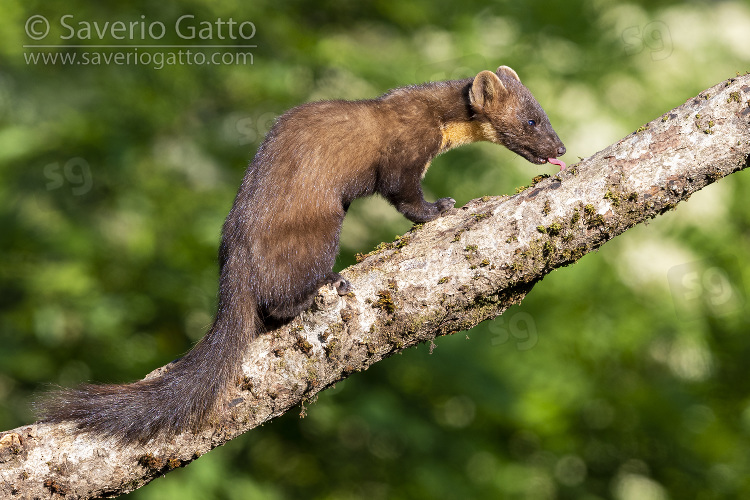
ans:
(281, 236)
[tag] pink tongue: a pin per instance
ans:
(555, 161)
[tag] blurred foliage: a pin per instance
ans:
(623, 376)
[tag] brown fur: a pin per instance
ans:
(281, 236)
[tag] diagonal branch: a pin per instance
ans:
(440, 278)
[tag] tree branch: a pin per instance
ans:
(440, 278)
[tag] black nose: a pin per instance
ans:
(561, 151)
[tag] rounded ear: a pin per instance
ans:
(485, 89)
(508, 71)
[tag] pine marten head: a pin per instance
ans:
(509, 115)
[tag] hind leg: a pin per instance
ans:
(291, 308)
(341, 284)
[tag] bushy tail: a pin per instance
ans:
(181, 399)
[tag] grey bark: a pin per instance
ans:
(440, 278)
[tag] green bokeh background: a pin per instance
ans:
(623, 376)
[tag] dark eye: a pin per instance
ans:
(532, 123)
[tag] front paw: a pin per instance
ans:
(444, 204)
